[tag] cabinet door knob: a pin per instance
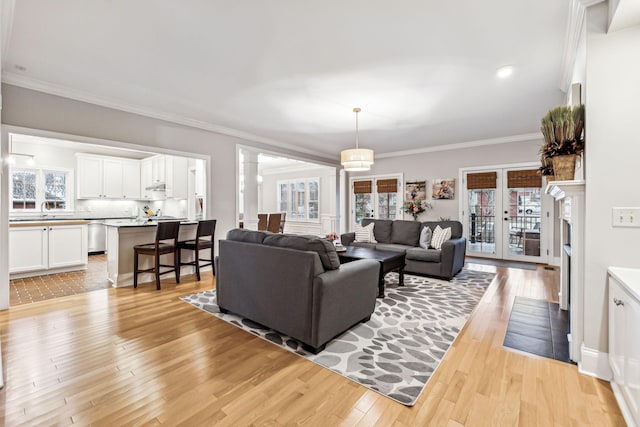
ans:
(617, 301)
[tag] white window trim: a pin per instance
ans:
(373, 178)
(306, 182)
(40, 170)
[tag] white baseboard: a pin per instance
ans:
(622, 403)
(594, 363)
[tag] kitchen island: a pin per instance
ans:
(123, 235)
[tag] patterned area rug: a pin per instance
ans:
(396, 352)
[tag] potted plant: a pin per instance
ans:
(562, 128)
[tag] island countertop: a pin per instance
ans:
(144, 223)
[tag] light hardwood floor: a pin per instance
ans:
(143, 357)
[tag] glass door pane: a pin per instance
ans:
(523, 209)
(387, 205)
(482, 217)
(363, 207)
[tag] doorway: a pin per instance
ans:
(504, 214)
(377, 197)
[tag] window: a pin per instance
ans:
(300, 199)
(33, 188)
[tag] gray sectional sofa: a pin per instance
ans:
(404, 236)
(294, 285)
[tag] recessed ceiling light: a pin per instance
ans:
(504, 72)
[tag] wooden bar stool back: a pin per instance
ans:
(204, 240)
(262, 222)
(165, 243)
(282, 220)
(274, 223)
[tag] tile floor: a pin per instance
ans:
(39, 288)
(539, 327)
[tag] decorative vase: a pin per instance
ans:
(564, 167)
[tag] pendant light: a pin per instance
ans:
(356, 159)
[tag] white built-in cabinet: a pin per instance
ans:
(624, 340)
(47, 247)
(131, 175)
(101, 177)
(177, 177)
(146, 178)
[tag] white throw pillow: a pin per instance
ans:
(440, 235)
(425, 237)
(365, 234)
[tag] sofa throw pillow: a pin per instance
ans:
(425, 237)
(440, 235)
(365, 234)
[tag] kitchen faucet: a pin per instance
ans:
(158, 212)
(42, 207)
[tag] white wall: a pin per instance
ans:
(612, 172)
(446, 164)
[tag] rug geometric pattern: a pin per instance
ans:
(396, 352)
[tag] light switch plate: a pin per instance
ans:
(625, 217)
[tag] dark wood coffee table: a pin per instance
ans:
(389, 261)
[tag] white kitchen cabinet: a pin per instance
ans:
(112, 178)
(67, 245)
(90, 177)
(47, 248)
(177, 177)
(624, 340)
(158, 169)
(131, 179)
(102, 177)
(146, 178)
(28, 249)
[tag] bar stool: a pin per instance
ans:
(165, 231)
(204, 240)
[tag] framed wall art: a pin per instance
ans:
(443, 188)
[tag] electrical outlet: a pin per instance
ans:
(625, 217)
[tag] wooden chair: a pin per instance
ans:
(262, 222)
(282, 219)
(274, 222)
(204, 240)
(166, 231)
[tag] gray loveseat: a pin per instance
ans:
(404, 236)
(294, 285)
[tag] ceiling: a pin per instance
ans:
(290, 72)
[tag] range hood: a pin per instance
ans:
(158, 186)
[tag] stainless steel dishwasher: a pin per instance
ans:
(97, 236)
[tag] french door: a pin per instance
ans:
(504, 214)
(377, 197)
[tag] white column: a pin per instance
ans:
(250, 169)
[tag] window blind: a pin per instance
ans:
(477, 181)
(524, 179)
(360, 187)
(387, 185)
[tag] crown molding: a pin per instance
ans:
(468, 144)
(575, 25)
(15, 79)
